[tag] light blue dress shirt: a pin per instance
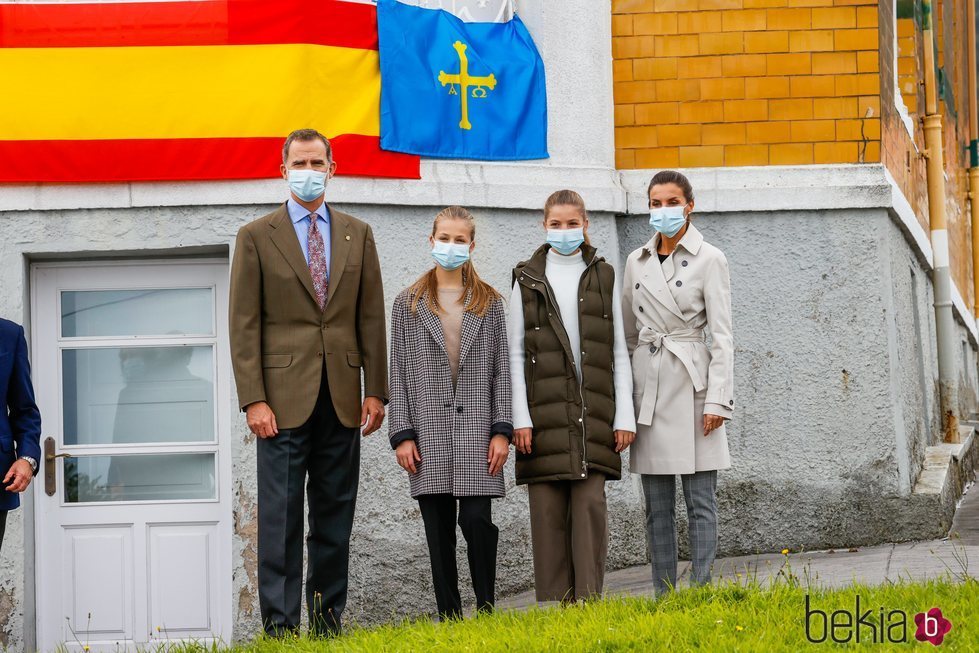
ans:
(300, 221)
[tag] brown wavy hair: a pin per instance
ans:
(567, 198)
(476, 293)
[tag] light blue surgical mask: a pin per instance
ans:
(307, 184)
(566, 241)
(450, 255)
(668, 220)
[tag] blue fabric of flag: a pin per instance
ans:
(458, 90)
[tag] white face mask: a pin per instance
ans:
(566, 241)
(307, 184)
(668, 220)
(450, 255)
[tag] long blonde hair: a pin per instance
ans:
(477, 294)
(567, 198)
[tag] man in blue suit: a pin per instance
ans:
(20, 420)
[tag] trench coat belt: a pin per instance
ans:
(669, 342)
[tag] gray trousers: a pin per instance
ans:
(700, 495)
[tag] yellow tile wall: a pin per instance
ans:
(745, 82)
(783, 82)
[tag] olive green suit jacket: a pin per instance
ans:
(279, 336)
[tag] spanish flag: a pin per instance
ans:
(205, 89)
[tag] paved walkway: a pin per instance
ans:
(957, 556)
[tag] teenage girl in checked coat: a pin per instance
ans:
(449, 412)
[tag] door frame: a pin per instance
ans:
(35, 546)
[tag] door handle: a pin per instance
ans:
(50, 467)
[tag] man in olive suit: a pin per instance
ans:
(306, 317)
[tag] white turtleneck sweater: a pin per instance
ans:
(564, 275)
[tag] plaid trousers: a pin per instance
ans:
(700, 495)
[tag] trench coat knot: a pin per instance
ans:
(675, 343)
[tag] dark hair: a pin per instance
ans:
(306, 135)
(671, 177)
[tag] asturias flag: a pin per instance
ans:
(206, 89)
(459, 90)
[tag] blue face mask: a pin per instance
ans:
(450, 255)
(667, 220)
(565, 241)
(307, 184)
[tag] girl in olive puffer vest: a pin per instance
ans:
(572, 405)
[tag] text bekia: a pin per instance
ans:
(842, 626)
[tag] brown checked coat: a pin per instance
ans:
(280, 337)
(451, 426)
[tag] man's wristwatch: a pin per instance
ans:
(31, 462)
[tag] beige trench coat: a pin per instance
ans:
(677, 377)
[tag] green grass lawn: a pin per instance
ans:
(726, 618)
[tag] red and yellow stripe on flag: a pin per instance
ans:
(201, 89)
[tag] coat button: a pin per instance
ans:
(679, 283)
(458, 409)
(731, 402)
(579, 419)
(641, 310)
(637, 286)
(684, 263)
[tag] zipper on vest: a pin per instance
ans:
(581, 381)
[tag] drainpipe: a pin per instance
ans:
(973, 153)
(941, 279)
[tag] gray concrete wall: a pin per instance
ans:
(835, 378)
(390, 574)
(390, 551)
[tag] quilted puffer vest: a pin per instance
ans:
(572, 421)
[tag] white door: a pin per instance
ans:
(133, 501)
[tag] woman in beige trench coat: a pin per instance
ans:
(676, 290)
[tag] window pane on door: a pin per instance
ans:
(154, 312)
(152, 477)
(138, 395)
